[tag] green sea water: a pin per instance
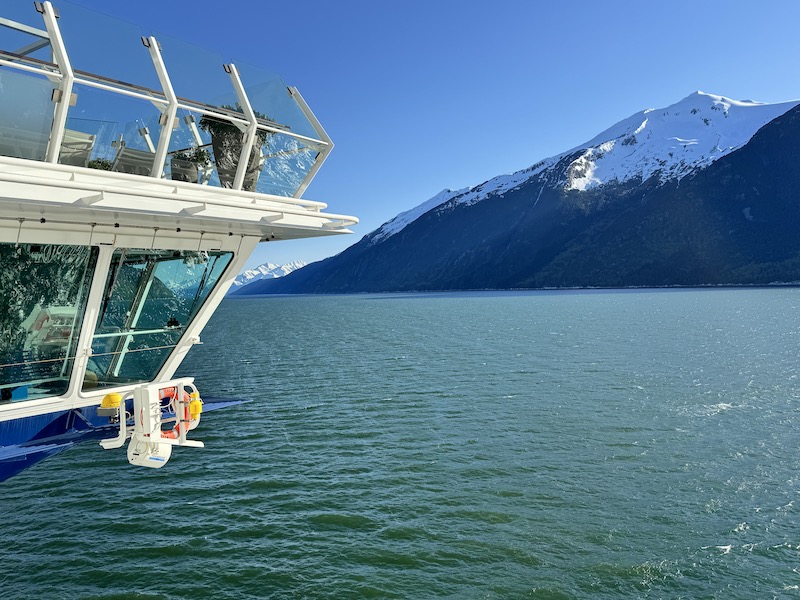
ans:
(637, 444)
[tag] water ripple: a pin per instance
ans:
(554, 445)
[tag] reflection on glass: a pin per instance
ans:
(43, 292)
(279, 163)
(150, 298)
(26, 114)
(190, 151)
(86, 140)
(285, 163)
(111, 132)
(227, 142)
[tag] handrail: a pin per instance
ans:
(98, 336)
(31, 59)
(71, 357)
(119, 89)
(23, 67)
(111, 84)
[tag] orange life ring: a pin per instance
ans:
(172, 394)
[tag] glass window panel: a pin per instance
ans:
(26, 115)
(269, 96)
(196, 73)
(113, 47)
(95, 138)
(151, 296)
(190, 153)
(17, 37)
(22, 12)
(227, 141)
(278, 164)
(43, 293)
(285, 162)
(111, 132)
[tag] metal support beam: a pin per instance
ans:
(84, 345)
(170, 112)
(252, 128)
(32, 47)
(67, 80)
(324, 152)
(191, 123)
(24, 28)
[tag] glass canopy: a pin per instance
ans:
(82, 89)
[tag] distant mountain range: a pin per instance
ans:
(703, 192)
(265, 271)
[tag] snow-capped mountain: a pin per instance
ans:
(265, 271)
(670, 142)
(666, 142)
(701, 192)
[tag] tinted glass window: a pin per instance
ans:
(150, 298)
(43, 292)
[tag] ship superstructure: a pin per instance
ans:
(126, 211)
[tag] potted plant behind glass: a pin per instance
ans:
(100, 163)
(227, 142)
(185, 165)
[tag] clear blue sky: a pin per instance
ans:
(419, 96)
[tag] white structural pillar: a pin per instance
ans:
(169, 115)
(64, 92)
(252, 128)
(323, 135)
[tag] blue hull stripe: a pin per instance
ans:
(27, 441)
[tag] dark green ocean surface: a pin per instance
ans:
(632, 444)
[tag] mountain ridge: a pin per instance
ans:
(544, 226)
(266, 270)
(624, 129)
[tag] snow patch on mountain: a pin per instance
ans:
(467, 196)
(669, 142)
(389, 228)
(498, 185)
(265, 271)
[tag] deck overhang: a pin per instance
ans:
(107, 202)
